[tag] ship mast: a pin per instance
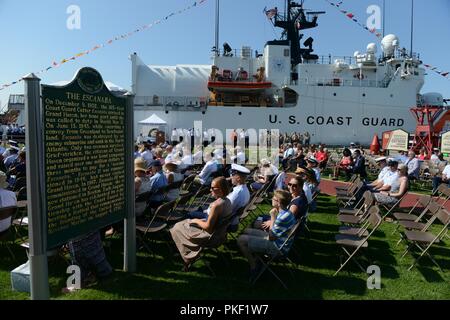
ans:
(216, 46)
(294, 21)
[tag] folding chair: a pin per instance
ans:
(361, 215)
(280, 256)
(350, 197)
(423, 240)
(353, 180)
(431, 209)
(358, 239)
(143, 228)
(422, 202)
(442, 192)
(187, 184)
(7, 213)
(359, 206)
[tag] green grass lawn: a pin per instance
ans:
(159, 276)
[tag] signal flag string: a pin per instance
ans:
(351, 16)
(56, 64)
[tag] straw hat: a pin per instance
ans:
(309, 173)
(139, 165)
(171, 166)
(3, 182)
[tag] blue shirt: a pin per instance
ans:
(283, 223)
(158, 181)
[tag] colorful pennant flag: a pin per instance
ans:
(380, 35)
(123, 36)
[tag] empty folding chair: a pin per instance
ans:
(422, 201)
(146, 227)
(361, 215)
(353, 181)
(366, 200)
(423, 240)
(351, 244)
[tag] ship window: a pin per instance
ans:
(392, 95)
(167, 112)
(334, 94)
(286, 52)
(203, 112)
(240, 113)
(364, 94)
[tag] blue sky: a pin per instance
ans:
(34, 34)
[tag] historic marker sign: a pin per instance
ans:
(396, 140)
(445, 142)
(84, 157)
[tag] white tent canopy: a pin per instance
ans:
(153, 120)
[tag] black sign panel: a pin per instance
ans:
(84, 157)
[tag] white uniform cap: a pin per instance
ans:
(380, 159)
(239, 168)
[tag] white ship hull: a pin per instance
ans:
(336, 124)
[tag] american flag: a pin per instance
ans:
(271, 12)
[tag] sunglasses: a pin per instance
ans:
(292, 185)
(214, 188)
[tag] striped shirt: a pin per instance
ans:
(283, 223)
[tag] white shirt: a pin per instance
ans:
(390, 178)
(205, 135)
(383, 173)
(274, 169)
(148, 156)
(174, 136)
(240, 157)
(242, 135)
(308, 193)
(434, 158)
(7, 199)
(239, 197)
(288, 153)
(279, 182)
(317, 172)
(209, 168)
(446, 171)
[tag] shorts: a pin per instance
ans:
(259, 242)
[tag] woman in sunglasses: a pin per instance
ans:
(191, 235)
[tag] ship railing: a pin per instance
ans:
(248, 53)
(340, 82)
(329, 59)
(170, 101)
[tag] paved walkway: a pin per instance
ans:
(328, 187)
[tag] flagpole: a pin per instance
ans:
(412, 26)
(217, 28)
(384, 17)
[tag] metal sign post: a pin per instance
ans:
(129, 263)
(36, 231)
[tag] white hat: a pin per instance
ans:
(239, 168)
(265, 161)
(15, 148)
(312, 159)
(380, 159)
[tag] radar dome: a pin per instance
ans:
(389, 44)
(357, 53)
(372, 48)
(433, 99)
